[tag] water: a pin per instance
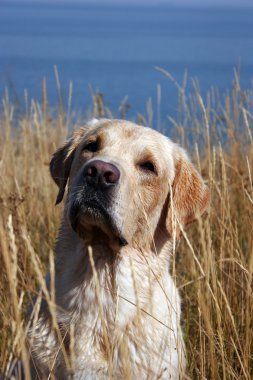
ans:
(115, 50)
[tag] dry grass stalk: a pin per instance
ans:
(213, 265)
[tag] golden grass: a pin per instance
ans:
(213, 265)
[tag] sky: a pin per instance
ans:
(227, 3)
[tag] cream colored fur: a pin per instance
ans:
(118, 309)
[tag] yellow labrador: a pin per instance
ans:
(130, 192)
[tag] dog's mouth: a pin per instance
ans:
(91, 214)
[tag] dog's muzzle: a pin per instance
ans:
(93, 197)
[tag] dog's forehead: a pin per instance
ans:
(125, 135)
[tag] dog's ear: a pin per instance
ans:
(61, 162)
(189, 196)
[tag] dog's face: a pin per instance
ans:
(126, 181)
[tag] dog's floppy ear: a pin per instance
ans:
(61, 162)
(189, 198)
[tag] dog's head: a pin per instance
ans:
(127, 181)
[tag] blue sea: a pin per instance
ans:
(115, 49)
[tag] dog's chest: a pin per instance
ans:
(109, 329)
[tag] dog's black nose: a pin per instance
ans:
(101, 174)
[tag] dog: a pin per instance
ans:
(131, 190)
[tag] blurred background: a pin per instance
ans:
(115, 48)
(183, 67)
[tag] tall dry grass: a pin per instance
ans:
(213, 265)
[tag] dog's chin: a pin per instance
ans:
(90, 218)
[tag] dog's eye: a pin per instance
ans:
(92, 146)
(148, 166)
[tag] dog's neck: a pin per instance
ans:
(117, 273)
